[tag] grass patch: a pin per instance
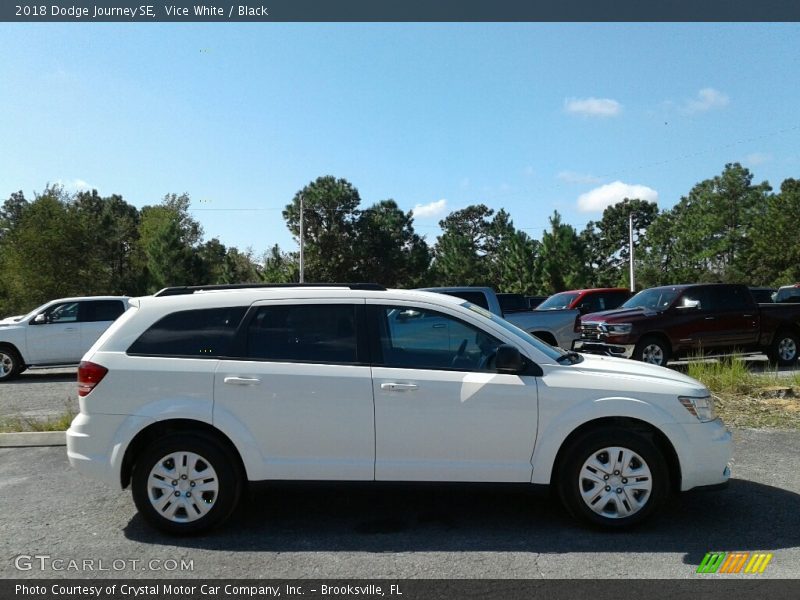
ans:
(747, 399)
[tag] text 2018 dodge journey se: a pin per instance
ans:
(194, 392)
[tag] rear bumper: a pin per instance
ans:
(618, 350)
(96, 443)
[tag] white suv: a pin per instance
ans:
(196, 391)
(55, 334)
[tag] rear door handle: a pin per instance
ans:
(70, 329)
(398, 387)
(439, 326)
(710, 318)
(242, 380)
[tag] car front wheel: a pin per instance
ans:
(10, 363)
(652, 350)
(614, 479)
(186, 483)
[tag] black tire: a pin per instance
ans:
(610, 506)
(10, 363)
(784, 348)
(187, 518)
(653, 350)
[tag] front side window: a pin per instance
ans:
(315, 333)
(425, 339)
(62, 313)
(204, 333)
(654, 298)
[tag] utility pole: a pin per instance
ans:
(630, 251)
(301, 240)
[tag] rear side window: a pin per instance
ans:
(101, 310)
(204, 333)
(315, 333)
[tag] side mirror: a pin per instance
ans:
(40, 318)
(584, 308)
(508, 359)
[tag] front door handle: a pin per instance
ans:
(398, 387)
(70, 329)
(241, 380)
(710, 318)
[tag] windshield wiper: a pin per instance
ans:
(570, 356)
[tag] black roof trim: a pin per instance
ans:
(191, 289)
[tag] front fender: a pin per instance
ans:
(553, 432)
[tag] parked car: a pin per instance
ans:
(788, 293)
(190, 395)
(762, 295)
(587, 301)
(55, 334)
(684, 320)
(558, 328)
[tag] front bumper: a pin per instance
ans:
(594, 347)
(705, 451)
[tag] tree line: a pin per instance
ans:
(726, 228)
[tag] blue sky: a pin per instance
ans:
(526, 117)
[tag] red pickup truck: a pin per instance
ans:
(698, 319)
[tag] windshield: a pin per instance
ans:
(654, 299)
(555, 301)
(550, 351)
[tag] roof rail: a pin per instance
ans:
(191, 289)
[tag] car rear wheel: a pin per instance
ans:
(614, 479)
(186, 483)
(784, 349)
(10, 363)
(652, 350)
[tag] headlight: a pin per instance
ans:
(702, 408)
(619, 328)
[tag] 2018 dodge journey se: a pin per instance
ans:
(196, 391)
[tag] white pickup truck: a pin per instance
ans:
(55, 334)
(557, 328)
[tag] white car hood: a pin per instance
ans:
(625, 367)
(11, 320)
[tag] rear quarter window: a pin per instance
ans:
(203, 333)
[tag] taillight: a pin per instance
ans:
(577, 327)
(89, 375)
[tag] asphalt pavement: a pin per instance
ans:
(395, 531)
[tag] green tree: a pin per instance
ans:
(562, 258)
(168, 236)
(42, 256)
(329, 216)
(774, 253)
(388, 250)
(280, 267)
(461, 249)
(607, 241)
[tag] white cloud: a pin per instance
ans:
(579, 178)
(75, 185)
(593, 107)
(432, 209)
(757, 158)
(600, 198)
(707, 99)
